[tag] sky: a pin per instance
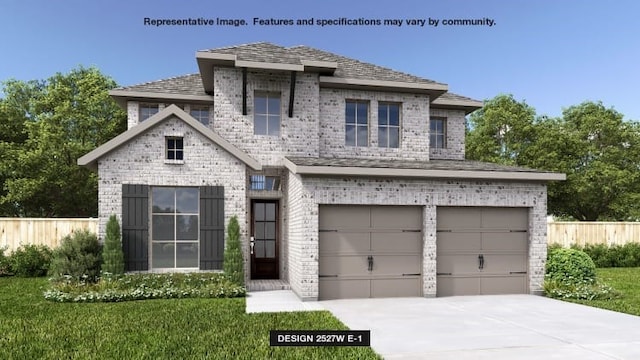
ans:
(550, 53)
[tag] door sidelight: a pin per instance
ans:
(480, 262)
(370, 261)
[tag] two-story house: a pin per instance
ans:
(348, 179)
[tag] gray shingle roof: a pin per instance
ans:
(463, 165)
(186, 85)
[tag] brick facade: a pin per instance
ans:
(307, 193)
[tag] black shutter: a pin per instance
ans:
(211, 227)
(135, 227)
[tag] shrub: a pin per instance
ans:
(78, 256)
(31, 260)
(5, 263)
(233, 263)
(599, 254)
(112, 254)
(571, 266)
(551, 249)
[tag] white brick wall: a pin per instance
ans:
(142, 161)
(307, 193)
(414, 121)
(298, 135)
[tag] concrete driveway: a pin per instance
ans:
(490, 327)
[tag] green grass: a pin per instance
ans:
(624, 280)
(33, 328)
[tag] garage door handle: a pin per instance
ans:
(481, 261)
(370, 262)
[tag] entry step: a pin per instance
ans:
(267, 285)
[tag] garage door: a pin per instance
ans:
(370, 251)
(481, 251)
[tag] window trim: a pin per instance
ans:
(175, 240)
(148, 106)
(437, 134)
(175, 150)
(355, 124)
(267, 95)
(388, 124)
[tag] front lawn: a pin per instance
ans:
(624, 280)
(34, 328)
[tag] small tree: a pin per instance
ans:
(79, 256)
(233, 262)
(112, 254)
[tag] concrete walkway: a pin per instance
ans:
(476, 327)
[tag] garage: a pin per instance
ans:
(370, 251)
(481, 251)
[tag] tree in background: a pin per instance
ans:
(112, 255)
(592, 144)
(45, 126)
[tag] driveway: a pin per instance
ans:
(490, 327)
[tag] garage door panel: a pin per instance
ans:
(344, 289)
(500, 218)
(396, 265)
(344, 242)
(451, 286)
(459, 241)
(498, 285)
(504, 241)
(403, 287)
(396, 217)
(457, 264)
(344, 265)
(396, 242)
(504, 263)
(458, 218)
(391, 235)
(344, 217)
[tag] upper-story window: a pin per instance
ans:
(388, 125)
(438, 133)
(174, 148)
(266, 114)
(147, 111)
(356, 123)
(200, 113)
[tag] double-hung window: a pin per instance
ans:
(200, 113)
(438, 133)
(388, 125)
(266, 117)
(356, 123)
(175, 227)
(147, 111)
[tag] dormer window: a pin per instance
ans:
(147, 111)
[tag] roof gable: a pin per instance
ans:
(90, 159)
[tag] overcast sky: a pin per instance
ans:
(551, 53)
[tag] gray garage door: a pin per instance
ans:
(370, 251)
(481, 251)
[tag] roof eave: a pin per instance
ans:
(432, 89)
(468, 106)
(421, 173)
(122, 96)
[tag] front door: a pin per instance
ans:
(264, 239)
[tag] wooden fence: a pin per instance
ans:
(15, 232)
(21, 231)
(592, 233)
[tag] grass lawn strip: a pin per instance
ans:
(34, 328)
(624, 280)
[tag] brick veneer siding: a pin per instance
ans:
(298, 135)
(142, 161)
(307, 193)
(455, 133)
(414, 125)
